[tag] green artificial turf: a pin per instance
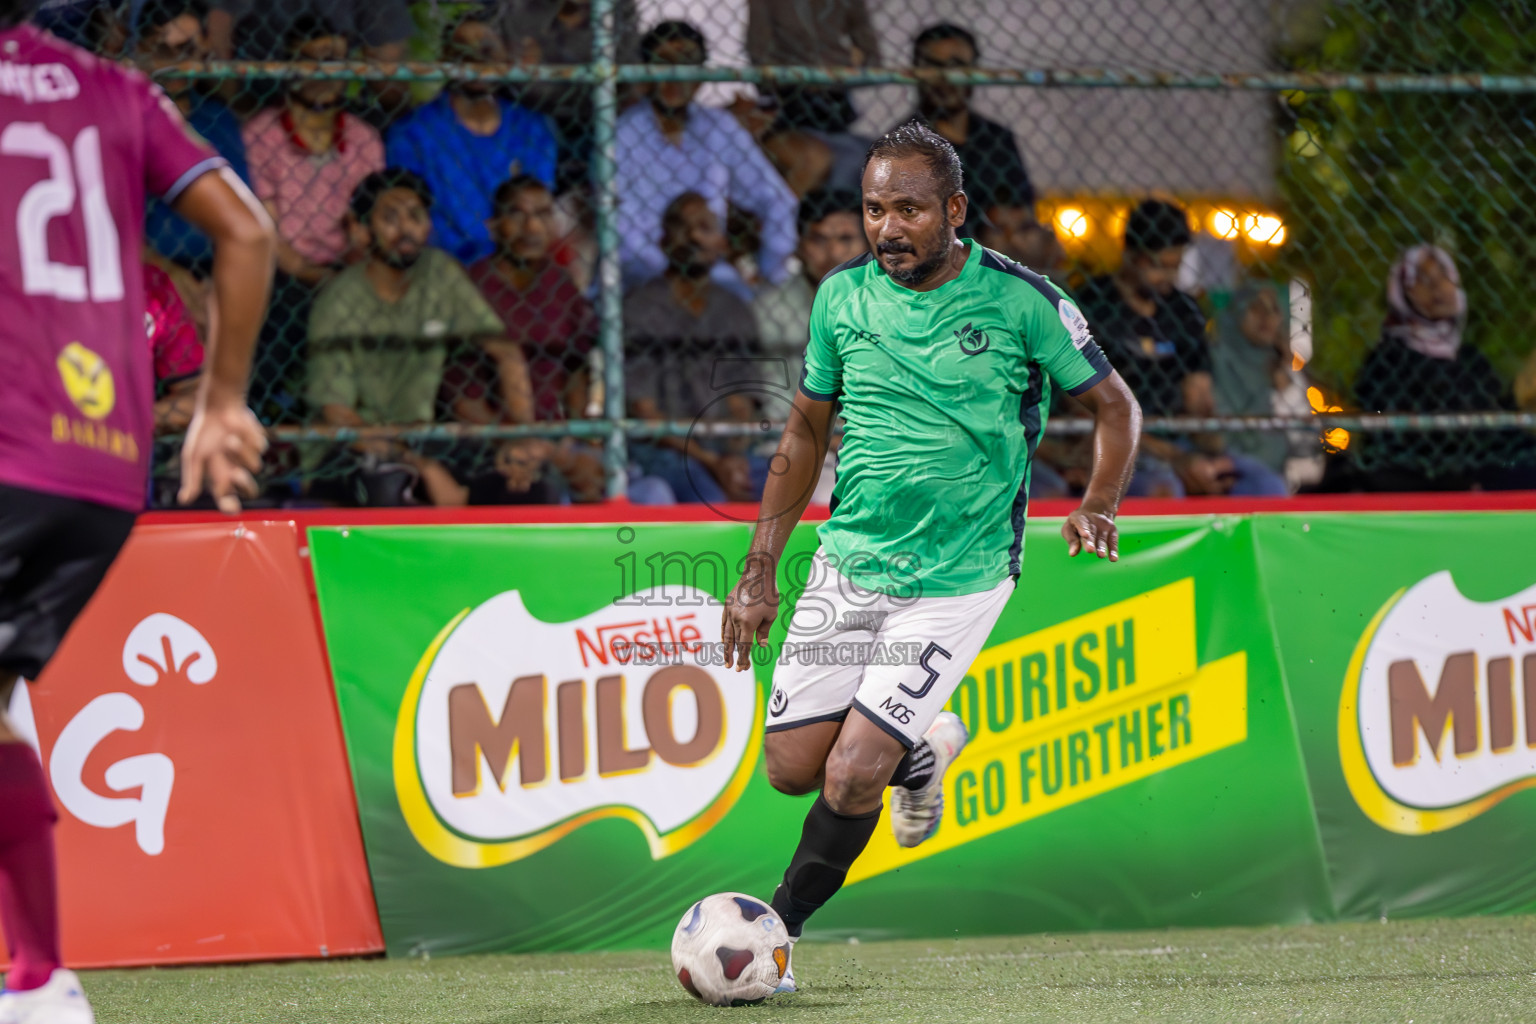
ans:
(1464, 970)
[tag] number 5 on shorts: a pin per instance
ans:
(933, 673)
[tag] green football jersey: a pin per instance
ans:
(944, 394)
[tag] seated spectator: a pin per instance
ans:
(560, 32)
(1422, 365)
(172, 31)
(671, 145)
(831, 227)
(259, 30)
(833, 33)
(176, 351)
(1154, 335)
(520, 475)
(687, 343)
(543, 313)
(468, 141)
(806, 158)
(1008, 225)
(1253, 375)
(988, 152)
(381, 331)
(307, 155)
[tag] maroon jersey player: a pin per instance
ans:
(83, 142)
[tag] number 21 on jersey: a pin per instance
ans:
(69, 180)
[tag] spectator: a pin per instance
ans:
(671, 145)
(172, 31)
(1008, 225)
(1154, 335)
(381, 330)
(259, 30)
(542, 312)
(1421, 365)
(307, 156)
(988, 152)
(560, 32)
(838, 33)
(175, 349)
(520, 475)
(687, 342)
(1253, 375)
(468, 141)
(831, 226)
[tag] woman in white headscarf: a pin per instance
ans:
(1422, 366)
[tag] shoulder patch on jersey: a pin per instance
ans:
(1072, 319)
(853, 264)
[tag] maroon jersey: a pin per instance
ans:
(82, 143)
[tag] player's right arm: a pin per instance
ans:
(225, 441)
(753, 603)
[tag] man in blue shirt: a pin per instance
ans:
(468, 141)
(671, 145)
(171, 31)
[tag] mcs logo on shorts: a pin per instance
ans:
(514, 732)
(1438, 725)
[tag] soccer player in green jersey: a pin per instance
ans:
(943, 356)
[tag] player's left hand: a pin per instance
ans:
(222, 452)
(1092, 531)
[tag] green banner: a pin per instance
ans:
(1408, 643)
(546, 756)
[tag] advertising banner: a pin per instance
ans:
(546, 756)
(1409, 648)
(190, 736)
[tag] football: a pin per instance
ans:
(730, 949)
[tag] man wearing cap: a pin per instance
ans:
(382, 329)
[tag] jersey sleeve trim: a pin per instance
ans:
(192, 173)
(815, 395)
(1100, 374)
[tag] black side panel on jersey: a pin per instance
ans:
(1091, 351)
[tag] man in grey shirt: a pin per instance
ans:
(692, 353)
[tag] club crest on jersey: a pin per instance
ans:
(87, 380)
(973, 340)
(1072, 319)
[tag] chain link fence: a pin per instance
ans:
(551, 250)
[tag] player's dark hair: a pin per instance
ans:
(821, 203)
(916, 139)
(306, 28)
(940, 32)
(506, 192)
(1155, 225)
(366, 196)
(14, 12)
(158, 13)
(671, 32)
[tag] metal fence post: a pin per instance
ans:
(605, 115)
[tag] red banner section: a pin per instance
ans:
(190, 733)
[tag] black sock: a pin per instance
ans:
(829, 844)
(916, 769)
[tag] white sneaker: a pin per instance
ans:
(787, 983)
(916, 813)
(60, 1001)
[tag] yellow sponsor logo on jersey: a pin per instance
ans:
(87, 380)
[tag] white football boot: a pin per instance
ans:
(787, 983)
(916, 813)
(60, 1001)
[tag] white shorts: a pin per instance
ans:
(896, 660)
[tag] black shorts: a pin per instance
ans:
(53, 553)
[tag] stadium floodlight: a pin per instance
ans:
(1264, 228)
(1223, 223)
(1072, 221)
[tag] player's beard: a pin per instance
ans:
(920, 271)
